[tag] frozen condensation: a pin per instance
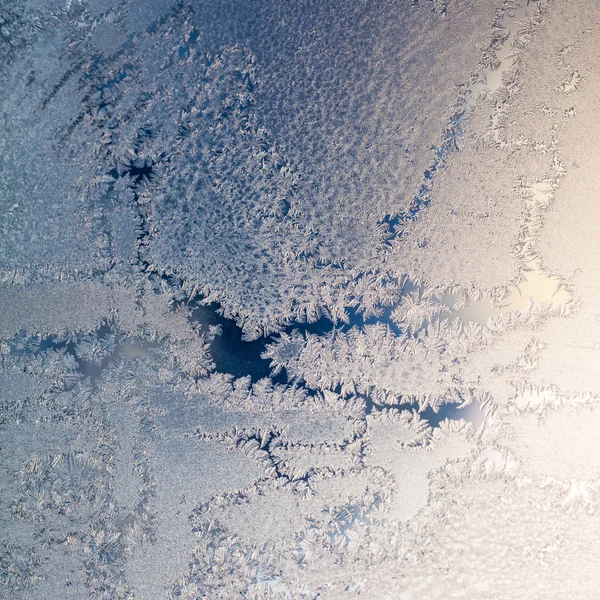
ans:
(298, 300)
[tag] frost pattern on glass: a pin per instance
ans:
(298, 300)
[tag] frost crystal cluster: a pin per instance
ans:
(299, 300)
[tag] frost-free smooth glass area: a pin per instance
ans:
(298, 300)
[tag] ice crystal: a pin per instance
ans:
(298, 300)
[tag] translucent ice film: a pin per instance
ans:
(299, 299)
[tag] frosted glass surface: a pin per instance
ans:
(299, 300)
